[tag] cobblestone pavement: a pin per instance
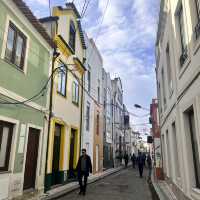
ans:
(125, 185)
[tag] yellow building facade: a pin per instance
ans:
(67, 95)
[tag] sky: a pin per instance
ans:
(125, 35)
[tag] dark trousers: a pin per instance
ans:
(83, 184)
(140, 166)
(149, 175)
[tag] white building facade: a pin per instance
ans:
(117, 120)
(178, 82)
(88, 116)
(134, 142)
(107, 120)
(92, 137)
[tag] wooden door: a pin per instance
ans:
(31, 158)
(97, 158)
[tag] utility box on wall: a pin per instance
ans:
(149, 139)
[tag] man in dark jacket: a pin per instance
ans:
(126, 159)
(140, 161)
(133, 159)
(84, 167)
(149, 162)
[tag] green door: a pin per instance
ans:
(56, 155)
(71, 160)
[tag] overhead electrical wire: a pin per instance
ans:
(44, 88)
(86, 7)
(93, 98)
(83, 8)
(99, 30)
(41, 92)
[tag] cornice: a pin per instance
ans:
(162, 21)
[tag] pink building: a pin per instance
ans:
(154, 119)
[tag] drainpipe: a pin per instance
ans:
(113, 129)
(81, 113)
(123, 127)
(55, 55)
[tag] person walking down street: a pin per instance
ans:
(84, 167)
(133, 159)
(149, 163)
(144, 159)
(140, 162)
(126, 159)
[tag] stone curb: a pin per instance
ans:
(158, 190)
(68, 188)
(163, 190)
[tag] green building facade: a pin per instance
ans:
(25, 60)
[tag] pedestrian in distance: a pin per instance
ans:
(126, 159)
(133, 159)
(84, 167)
(144, 159)
(140, 161)
(149, 164)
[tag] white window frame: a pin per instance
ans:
(14, 140)
(8, 20)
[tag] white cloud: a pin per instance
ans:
(126, 42)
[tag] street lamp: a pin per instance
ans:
(140, 107)
(137, 106)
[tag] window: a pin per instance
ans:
(104, 104)
(159, 98)
(89, 80)
(87, 146)
(75, 92)
(197, 3)
(88, 117)
(197, 27)
(6, 132)
(72, 35)
(169, 71)
(163, 152)
(62, 80)
(102, 74)
(163, 87)
(176, 158)
(168, 154)
(182, 36)
(195, 151)
(109, 102)
(98, 91)
(15, 46)
(119, 96)
(97, 123)
(104, 96)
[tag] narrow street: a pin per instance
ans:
(125, 185)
